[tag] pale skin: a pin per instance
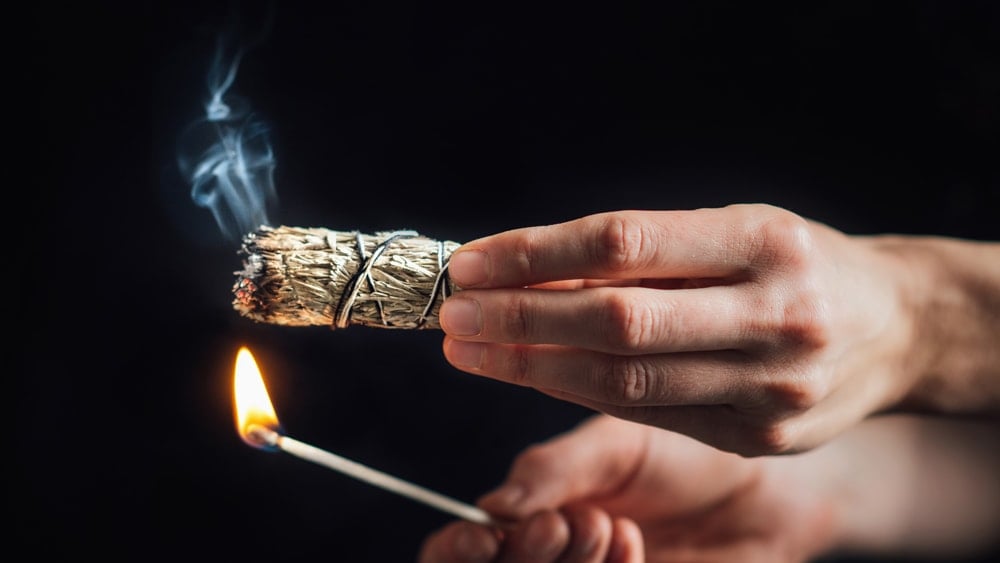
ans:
(616, 491)
(747, 327)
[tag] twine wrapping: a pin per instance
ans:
(297, 276)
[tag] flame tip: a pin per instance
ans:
(252, 404)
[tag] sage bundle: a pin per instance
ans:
(297, 276)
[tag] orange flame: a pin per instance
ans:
(253, 405)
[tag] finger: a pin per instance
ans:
(590, 535)
(623, 244)
(540, 539)
(626, 542)
(720, 426)
(692, 378)
(630, 320)
(592, 460)
(584, 284)
(460, 542)
(654, 283)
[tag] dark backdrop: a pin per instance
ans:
(455, 120)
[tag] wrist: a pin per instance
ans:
(951, 292)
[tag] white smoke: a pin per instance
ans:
(226, 155)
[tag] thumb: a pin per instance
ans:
(597, 457)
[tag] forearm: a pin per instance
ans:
(952, 290)
(901, 485)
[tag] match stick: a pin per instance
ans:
(269, 437)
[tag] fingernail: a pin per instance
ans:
(465, 354)
(461, 317)
(469, 268)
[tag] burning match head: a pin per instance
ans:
(256, 421)
(261, 437)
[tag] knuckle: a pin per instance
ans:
(619, 244)
(631, 381)
(806, 320)
(771, 439)
(794, 399)
(794, 313)
(518, 365)
(797, 396)
(533, 460)
(785, 240)
(631, 324)
(517, 319)
(523, 254)
(783, 392)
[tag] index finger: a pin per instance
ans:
(632, 244)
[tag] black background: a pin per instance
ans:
(454, 120)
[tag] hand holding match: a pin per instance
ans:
(258, 426)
